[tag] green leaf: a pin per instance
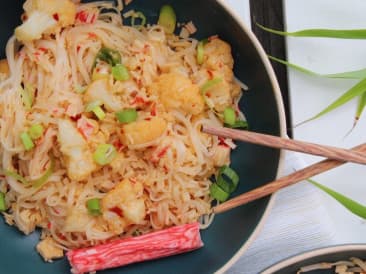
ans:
(348, 203)
(353, 92)
(355, 74)
(326, 33)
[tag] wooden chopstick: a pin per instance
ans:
(285, 181)
(289, 144)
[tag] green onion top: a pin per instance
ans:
(99, 112)
(138, 15)
(27, 141)
(209, 84)
(200, 53)
(167, 18)
(110, 56)
(94, 207)
(44, 178)
(226, 183)
(104, 154)
(36, 131)
(92, 105)
(229, 116)
(27, 97)
(16, 176)
(120, 72)
(218, 193)
(127, 116)
(2, 201)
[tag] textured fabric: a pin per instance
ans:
(298, 222)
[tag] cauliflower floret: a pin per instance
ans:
(79, 158)
(218, 54)
(144, 131)
(124, 205)
(48, 249)
(178, 92)
(45, 16)
(4, 67)
(100, 90)
(220, 95)
(77, 219)
(221, 156)
(28, 220)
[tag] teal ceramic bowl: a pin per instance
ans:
(232, 232)
(328, 254)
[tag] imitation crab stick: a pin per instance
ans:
(163, 243)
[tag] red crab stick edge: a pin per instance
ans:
(163, 243)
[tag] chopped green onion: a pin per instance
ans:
(227, 181)
(127, 116)
(80, 89)
(240, 124)
(353, 206)
(2, 201)
(120, 72)
(27, 98)
(96, 109)
(200, 51)
(218, 193)
(138, 15)
(99, 112)
(167, 18)
(229, 116)
(36, 131)
(93, 206)
(27, 141)
(228, 175)
(93, 105)
(44, 178)
(109, 56)
(209, 84)
(16, 176)
(326, 33)
(104, 154)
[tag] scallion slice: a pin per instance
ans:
(201, 52)
(120, 72)
(209, 84)
(44, 178)
(167, 18)
(16, 176)
(228, 175)
(36, 131)
(27, 141)
(2, 201)
(95, 107)
(138, 15)
(127, 116)
(240, 124)
(229, 116)
(93, 206)
(218, 193)
(104, 154)
(110, 56)
(27, 98)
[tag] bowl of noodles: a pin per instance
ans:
(102, 105)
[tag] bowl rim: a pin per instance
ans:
(282, 121)
(313, 253)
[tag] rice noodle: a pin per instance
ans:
(174, 168)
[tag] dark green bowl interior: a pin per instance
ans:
(255, 165)
(328, 256)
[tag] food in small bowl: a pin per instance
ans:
(100, 132)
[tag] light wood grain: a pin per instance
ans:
(288, 180)
(289, 144)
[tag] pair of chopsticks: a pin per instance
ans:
(336, 157)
